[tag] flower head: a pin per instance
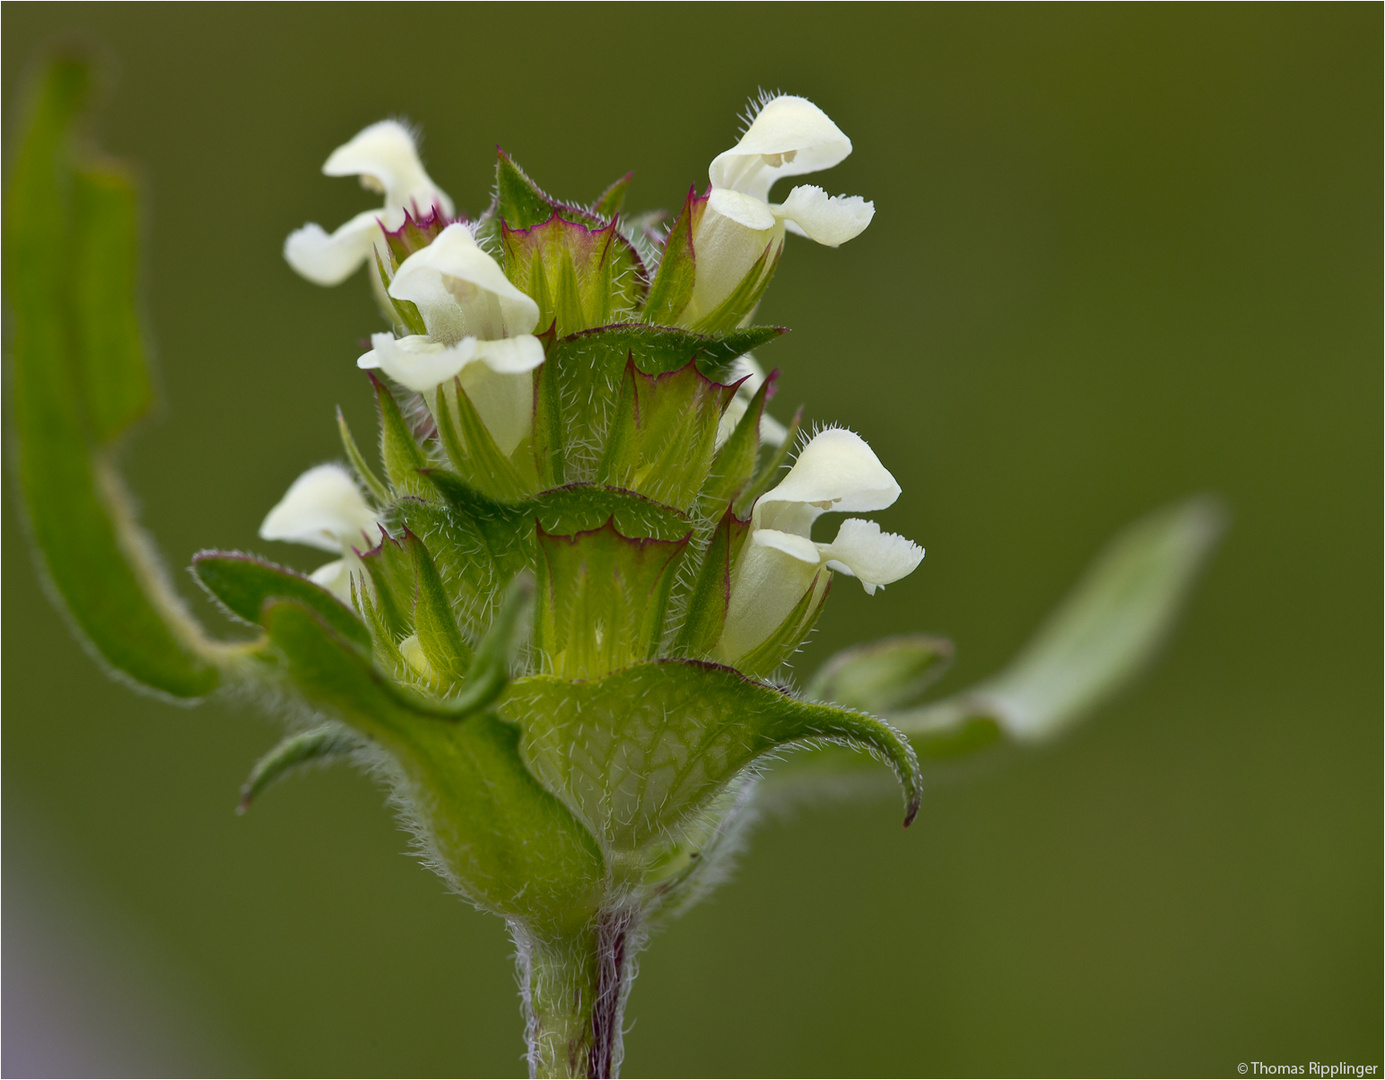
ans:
(789, 136)
(781, 562)
(385, 158)
(324, 509)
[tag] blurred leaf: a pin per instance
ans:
(78, 380)
(1101, 635)
(610, 201)
(882, 675)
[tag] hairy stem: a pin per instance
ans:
(574, 988)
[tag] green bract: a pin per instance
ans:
(529, 626)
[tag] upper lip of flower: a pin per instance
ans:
(836, 471)
(789, 136)
(385, 158)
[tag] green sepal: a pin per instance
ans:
(391, 570)
(733, 468)
(672, 286)
(883, 675)
(640, 752)
(610, 201)
(602, 600)
(548, 442)
(765, 658)
(768, 473)
(705, 615)
(579, 276)
(504, 841)
(520, 202)
(364, 472)
(242, 584)
(399, 450)
(78, 378)
(403, 315)
(318, 745)
(663, 436)
(744, 298)
(471, 448)
(588, 370)
(433, 621)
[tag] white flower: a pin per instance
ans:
(385, 158)
(324, 509)
(780, 561)
(789, 136)
(479, 329)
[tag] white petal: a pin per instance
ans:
(789, 136)
(829, 220)
(726, 249)
(385, 155)
(876, 557)
(771, 576)
(836, 471)
(323, 508)
(335, 577)
(461, 291)
(503, 400)
(743, 209)
(418, 362)
(330, 259)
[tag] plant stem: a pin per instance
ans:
(574, 988)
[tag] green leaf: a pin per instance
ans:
(399, 450)
(672, 286)
(110, 353)
(768, 475)
(885, 675)
(705, 615)
(640, 752)
(1101, 635)
(471, 448)
(580, 276)
(734, 465)
(613, 198)
(438, 635)
(391, 570)
(663, 435)
(521, 202)
(244, 582)
(549, 439)
(319, 745)
(505, 842)
(602, 599)
(77, 379)
(358, 462)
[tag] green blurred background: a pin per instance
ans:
(1121, 254)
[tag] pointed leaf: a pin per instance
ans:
(242, 583)
(734, 466)
(672, 286)
(613, 198)
(436, 627)
(768, 475)
(364, 472)
(705, 615)
(737, 307)
(638, 753)
(472, 450)
(399, 450)
(765, 658)
(319, 745)
(521, 202)
(391, 571)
